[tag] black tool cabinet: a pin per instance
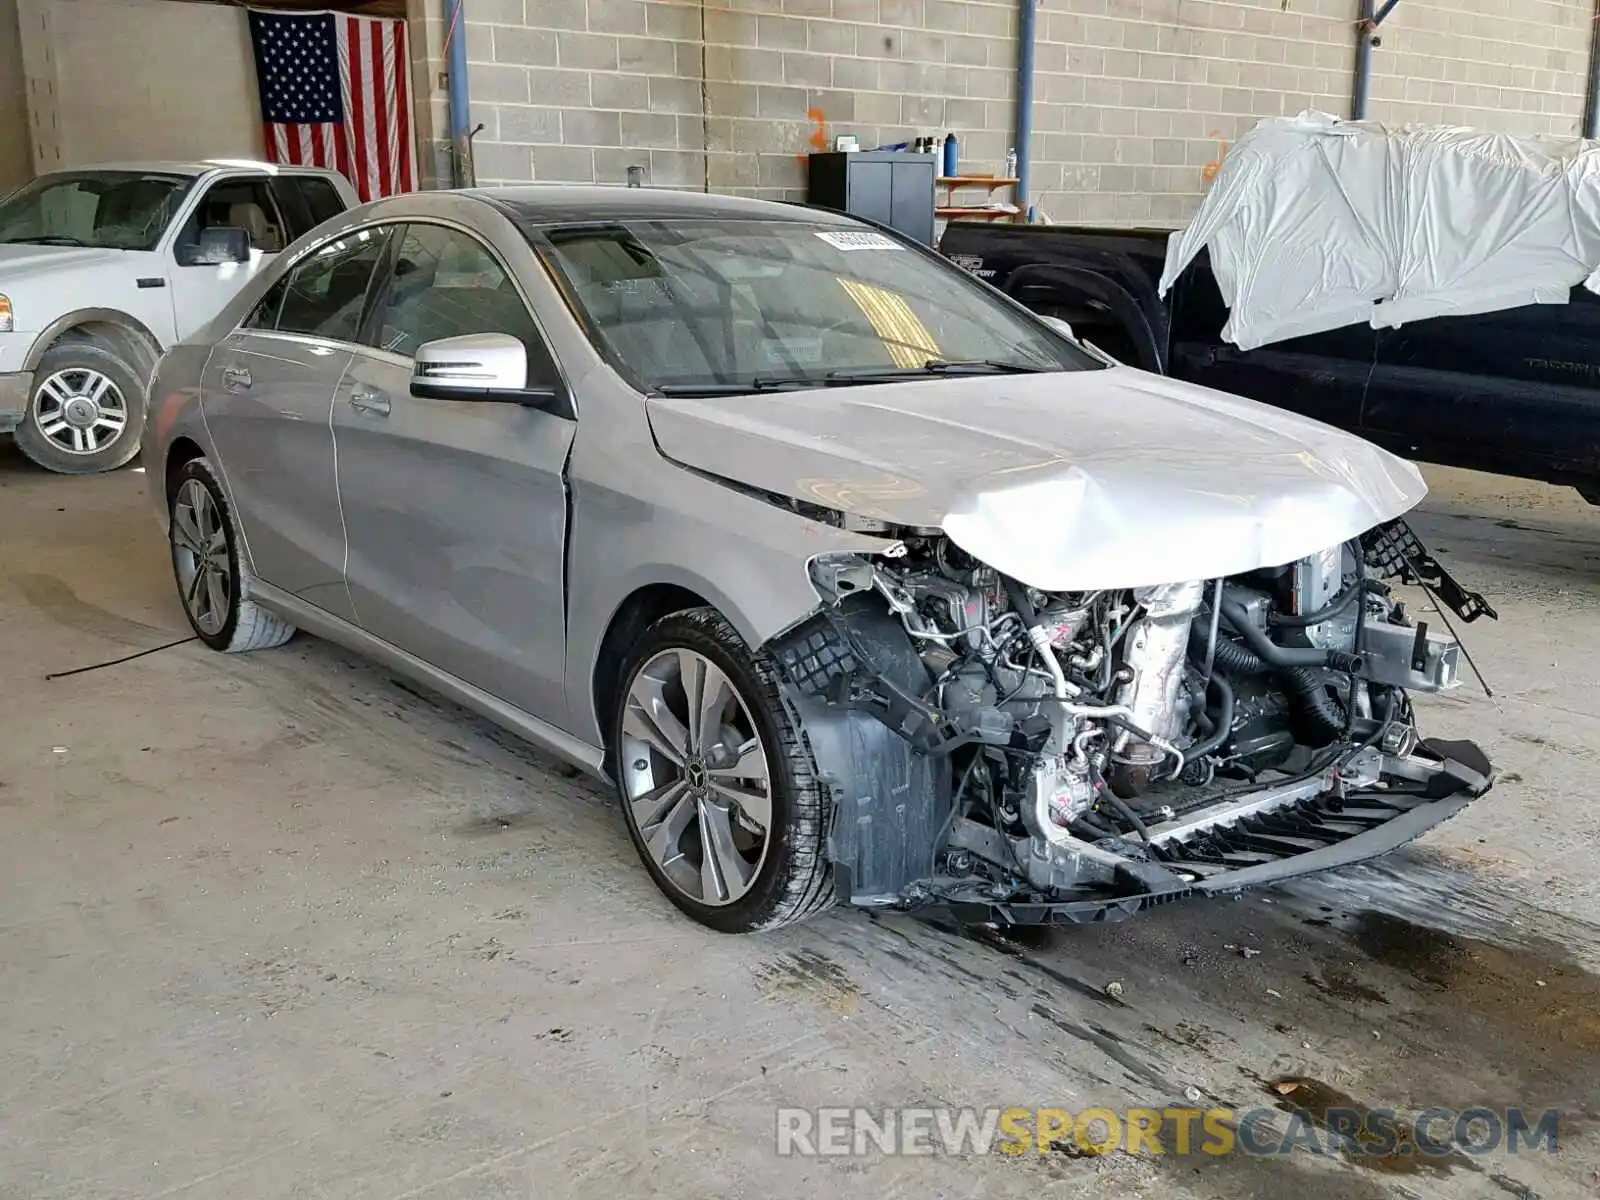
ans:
(891, 187)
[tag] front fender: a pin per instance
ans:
(740, 554)
(174, 412)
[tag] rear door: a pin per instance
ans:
(268, 396)
(1516, 391)
(1323, 376)
(456, 511)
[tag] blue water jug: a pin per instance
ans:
(948, 166)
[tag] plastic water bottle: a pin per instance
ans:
(1011, 163)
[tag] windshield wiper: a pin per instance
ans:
(849, 377)
(46, 239)
(973, 366)
(757, 384)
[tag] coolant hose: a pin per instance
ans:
(1309, 696)
(1223, 720)
(1018, 595)
(1329, 610)
(1232, 658)
(1120, 807)
(1275, 655)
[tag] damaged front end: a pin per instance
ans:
(1029, 757)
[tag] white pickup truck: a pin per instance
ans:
(103, 268)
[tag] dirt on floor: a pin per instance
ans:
(280, 925)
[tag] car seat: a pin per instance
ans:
(252, 218)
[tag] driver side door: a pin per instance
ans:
(456, 511)
(199, 291)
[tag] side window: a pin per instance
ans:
(326, 291)
(307, 201)
(265, 314)
(244, 204)
(321, 197)
(445, 283)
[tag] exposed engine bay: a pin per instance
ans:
(1089, 753)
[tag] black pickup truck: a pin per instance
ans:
(1515, 392)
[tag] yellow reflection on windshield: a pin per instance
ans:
(904, 335)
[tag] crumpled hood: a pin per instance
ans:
(23, 260)
(1067, 481)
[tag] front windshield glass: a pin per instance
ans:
(717, 306)
(113, 210)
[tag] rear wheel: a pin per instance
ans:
(717, 785)
(86, 412)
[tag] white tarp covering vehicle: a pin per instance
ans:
(1315, 223)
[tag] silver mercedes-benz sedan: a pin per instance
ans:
(856, 578)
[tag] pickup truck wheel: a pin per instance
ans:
(716, 781)
(86, 413)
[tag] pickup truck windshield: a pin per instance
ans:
(112, 210)
(732, 306)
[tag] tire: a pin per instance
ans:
(79, 389)
(218, 606)
(790, 878)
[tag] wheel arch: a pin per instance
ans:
(640, 609)
(180, 453)
(109, 326)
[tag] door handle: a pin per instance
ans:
(369, 399)
(236, 379)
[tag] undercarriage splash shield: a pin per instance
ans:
(890, 802)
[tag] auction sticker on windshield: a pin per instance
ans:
(858, 240)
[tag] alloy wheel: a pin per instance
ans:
(695, 776)
(200, 552)
(80, 410)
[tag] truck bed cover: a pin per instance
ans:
(1315, 223)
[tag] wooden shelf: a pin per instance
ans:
(985, 181)
(974, 212)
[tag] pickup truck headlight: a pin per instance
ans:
(5, 314)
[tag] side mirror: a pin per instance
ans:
(1060, 327)
(1065, 330)
(219, 245)
(486, 367)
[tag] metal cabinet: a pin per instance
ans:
(893, 188)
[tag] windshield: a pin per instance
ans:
(113, 210)
(716, 306)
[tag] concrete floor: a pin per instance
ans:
(277, 925)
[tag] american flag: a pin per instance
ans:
(334, 94)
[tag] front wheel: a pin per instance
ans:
(86, 412)
(717, 785)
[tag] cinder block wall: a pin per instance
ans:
(730, 94)
(16, 144)
(1135, 99)
(1511, 65)
(1134, 110)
